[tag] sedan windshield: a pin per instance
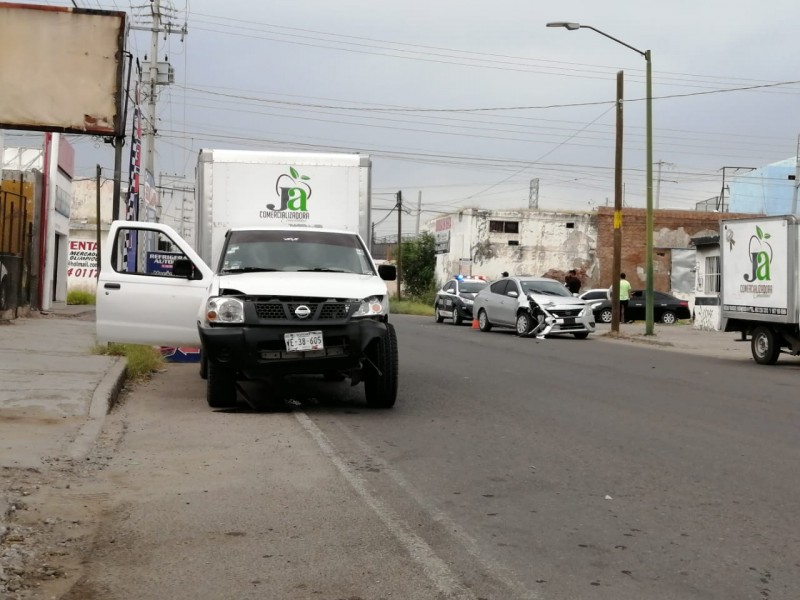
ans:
(548, 288)
(472, 287)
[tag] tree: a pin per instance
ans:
(419, 265)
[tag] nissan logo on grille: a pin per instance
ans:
(302, 311)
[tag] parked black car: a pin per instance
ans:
(454, 301)
(666, 308)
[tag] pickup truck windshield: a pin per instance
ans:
(318, 251)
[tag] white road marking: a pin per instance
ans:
(433, 566)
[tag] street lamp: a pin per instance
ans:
(649, 212)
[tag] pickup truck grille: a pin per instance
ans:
(280, 309)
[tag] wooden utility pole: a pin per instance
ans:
(616, 267)
(399, 244)
(99, 184)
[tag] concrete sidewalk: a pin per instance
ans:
(681, 337)
(54, 393)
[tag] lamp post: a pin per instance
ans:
(649, 212)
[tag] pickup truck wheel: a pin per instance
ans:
(203, 366)
(220, 386)
(765, 346)
(380, 388)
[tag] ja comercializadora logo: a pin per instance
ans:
(760, 252)
(294, 193)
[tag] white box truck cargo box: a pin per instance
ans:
(759, 269)
(241, 188)
(759, 263)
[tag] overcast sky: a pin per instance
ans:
(466, 102)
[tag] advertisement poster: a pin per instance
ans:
(82, 265)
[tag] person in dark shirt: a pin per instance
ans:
(572, 282)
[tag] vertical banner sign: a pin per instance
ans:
(132, 208)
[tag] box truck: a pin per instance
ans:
(760, 266)
(280, 280)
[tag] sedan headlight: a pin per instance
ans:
(467, 301)
(371, 307)
(225, 310)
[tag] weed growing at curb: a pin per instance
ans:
(141, 360)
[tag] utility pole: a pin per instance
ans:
(158, 74)
(150, 135)
(99, 186)
(660, 164)
(399, 243)
(721, 201)
(796, 177)
(617, 263)
(533, 194)
(419, 209)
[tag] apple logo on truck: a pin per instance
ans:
(293, 191)
(760, 253)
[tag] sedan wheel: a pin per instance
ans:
(456, 317)
(668, 317)
(523, 323)
(437, 315)
(605, 316)
(483, 321)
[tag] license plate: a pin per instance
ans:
(569, 321)
(304, 341)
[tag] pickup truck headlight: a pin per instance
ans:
(371, 307)
(225, 310)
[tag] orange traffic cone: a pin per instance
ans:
(475, 324)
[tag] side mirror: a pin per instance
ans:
(513, 294)
(183, 267)
(450, 291)
(387, 272)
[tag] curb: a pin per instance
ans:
(103, 399)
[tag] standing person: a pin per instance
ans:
(572, 282)
(624, 296)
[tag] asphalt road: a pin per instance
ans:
(510, 468)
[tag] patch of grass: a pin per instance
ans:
(410, 307)
(80, 297)
(142, 360)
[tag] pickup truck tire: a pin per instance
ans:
(203, 366)
(765, 346)
(380, 388)
(220, 386)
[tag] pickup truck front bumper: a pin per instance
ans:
(259, 351)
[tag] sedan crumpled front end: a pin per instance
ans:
(563, 315)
